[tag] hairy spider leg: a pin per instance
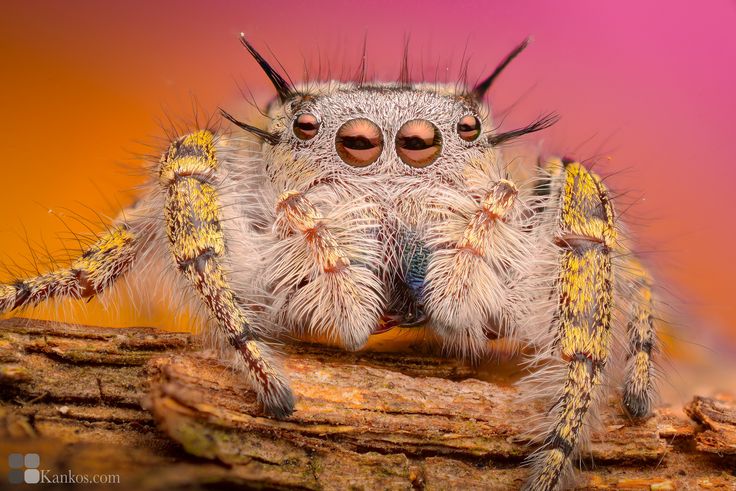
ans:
(586, 237)
(188, 175)
(88, 275)
(639, 388)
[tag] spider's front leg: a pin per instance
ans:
(585, 237)
(188, 175)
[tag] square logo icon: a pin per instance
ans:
(15, 460)
(31, 476)
(32, 460)
(24, 468)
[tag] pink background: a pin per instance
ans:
(646, 90)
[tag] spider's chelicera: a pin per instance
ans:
(365, 206)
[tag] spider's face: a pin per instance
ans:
(381, 139)
(383, 131)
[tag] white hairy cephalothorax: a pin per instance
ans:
(363, 206)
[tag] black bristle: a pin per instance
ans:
(404, 76)
(480, 90)
(541, 123)
(284, 88)
(271, 138)
(361, 73)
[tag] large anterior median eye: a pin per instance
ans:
(468, 128)
(418, 143)
(359, 142)
(306, 126)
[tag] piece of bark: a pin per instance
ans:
(366, 421)
(433, 433)
(718, 416)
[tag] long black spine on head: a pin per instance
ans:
(360, 75)
(271, 138)
(404, 76)
(480, 90)
(539, 124)
(284, 88)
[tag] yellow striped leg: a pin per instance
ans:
(586, 238)
(192, 212)
(97, 268)
(639, 385)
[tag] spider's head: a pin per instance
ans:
(339, 130)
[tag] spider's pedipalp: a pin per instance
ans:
(327, 292)
(475, 254)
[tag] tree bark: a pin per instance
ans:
(153, 408)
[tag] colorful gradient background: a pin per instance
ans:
(645, 89)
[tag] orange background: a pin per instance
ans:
(647, 92)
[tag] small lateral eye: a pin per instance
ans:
(468, 128)
(418, 143)
(306, 126)
(359, 142)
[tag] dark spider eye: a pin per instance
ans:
(306, 126)
(468, 128)
(359, 142)
(418, 143)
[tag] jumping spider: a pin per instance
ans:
(364, 206)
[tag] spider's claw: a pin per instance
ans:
(279, 401)
(637, 406)
(280, 409)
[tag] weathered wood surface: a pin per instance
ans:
(76, 395)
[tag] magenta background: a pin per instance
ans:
(646, 87)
